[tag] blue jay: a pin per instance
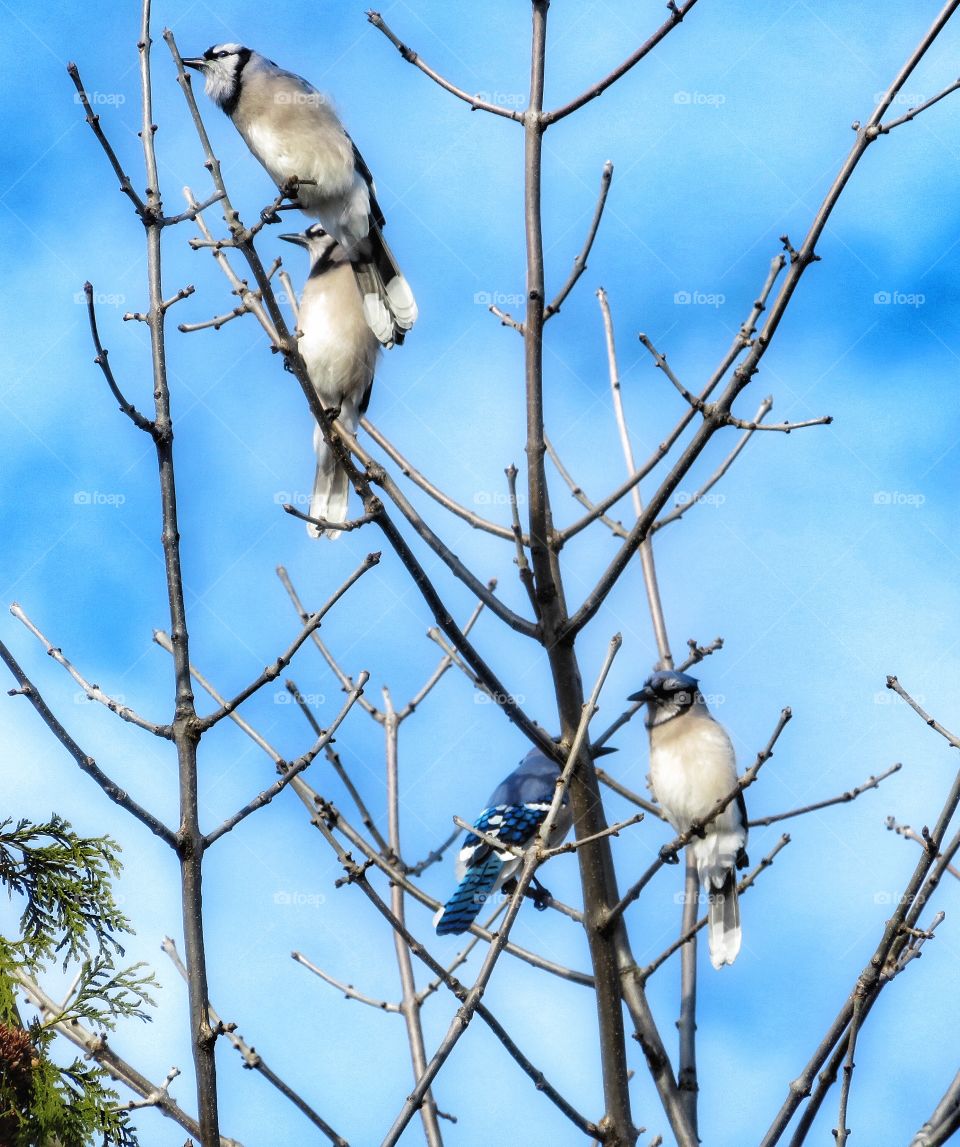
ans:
(340, 352)
(293, 130)
(692, 766)
(514, 813)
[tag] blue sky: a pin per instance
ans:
(826, 561)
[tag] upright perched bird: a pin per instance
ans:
(340, 353)
(692, 766)
(293, 130)
(515, 811)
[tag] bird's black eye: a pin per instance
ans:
(222, 55)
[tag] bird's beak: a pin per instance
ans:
(299, 238)
(602, 750)
(198, 63)
(645, 694)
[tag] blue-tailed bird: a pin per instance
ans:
(514, 813)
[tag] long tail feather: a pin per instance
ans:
(723, 921)
(472, 893)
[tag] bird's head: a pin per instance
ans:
(667, 693)
(221, 67)
(324, 251)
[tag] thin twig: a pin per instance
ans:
(681, 508)
(348, 990)
(252, 1058)
(843, 798)
(747, 882)
(93, 692)
(410, 471)
(139, 420)
(119, 796)
(886, 128)
(677, 13)
(273, 671)
(293, 770)
(580, 262)
(476, 104)
(647, 563)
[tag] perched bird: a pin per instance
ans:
(293, 130)
(514, 813)
(340, 352)
(692, 766)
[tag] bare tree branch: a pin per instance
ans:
(677, 13)
(580, 262)
(348, 990)
(843, 798)
(94, 692)
(476, 104)
(291, 771)
(101, 359)
(410, 471)
(272, 672)
(252, 1058)
(119, 796)
(646, 547)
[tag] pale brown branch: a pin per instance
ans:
(252, 1058)
(580, 262)
(578, 492)
(348, 990)
(26, 688)
(476, 104)
(97, 1048)
(843, 798)
(647, 563)
(677, 13)
(291, 771)
(273, 671)
(93, 692)
(410, 471)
